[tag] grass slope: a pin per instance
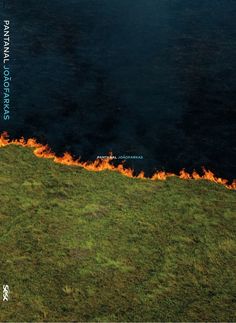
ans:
(79, 245)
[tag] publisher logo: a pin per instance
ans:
(5, 293)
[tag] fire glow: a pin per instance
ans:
(43, 151)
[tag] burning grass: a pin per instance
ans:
(43, 151)
(96, 246)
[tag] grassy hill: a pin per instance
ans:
(84, 246)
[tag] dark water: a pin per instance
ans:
(139, 77)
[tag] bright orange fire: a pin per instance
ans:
(43, 151)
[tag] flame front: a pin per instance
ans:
(43, 151)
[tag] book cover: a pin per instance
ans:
(117, 160)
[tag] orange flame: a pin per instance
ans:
(43, 151)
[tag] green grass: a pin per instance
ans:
(84, 246)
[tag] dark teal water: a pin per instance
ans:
(139, 77)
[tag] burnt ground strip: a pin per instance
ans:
(147, 78)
